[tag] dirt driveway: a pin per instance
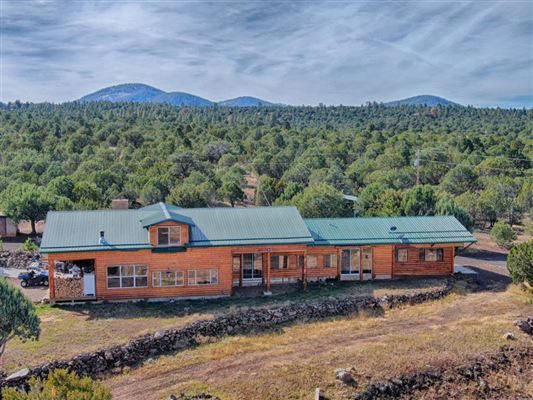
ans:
(34, 293)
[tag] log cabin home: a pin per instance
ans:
(164, 251)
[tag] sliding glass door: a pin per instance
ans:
(350, 262)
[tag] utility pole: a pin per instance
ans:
(417, 165)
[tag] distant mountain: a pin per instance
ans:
(245, 101)
(423, 100)
(141, 93)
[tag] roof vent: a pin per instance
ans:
(393, 228)
(102, 238)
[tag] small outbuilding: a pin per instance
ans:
(7, 227)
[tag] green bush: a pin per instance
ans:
(18, 317)
(60, 385)
(502, 234)
(520, 263)
(29, 245)
(1, 244)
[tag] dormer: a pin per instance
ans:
(167, 228)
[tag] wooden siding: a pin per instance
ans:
(414, 267)
(221, 258)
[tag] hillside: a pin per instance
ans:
(83, 155)
(422, 100)
(245, 101)
(141, 93)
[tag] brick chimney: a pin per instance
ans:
(120, 204)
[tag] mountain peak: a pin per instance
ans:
(245, 101)
(422, 100)
(141, 93)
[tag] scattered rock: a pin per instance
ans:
(199, 396)
(345, 377)
(525, 325)
(509, 336)
(23, 373)
(17, 259)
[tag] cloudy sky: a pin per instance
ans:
(295, 52)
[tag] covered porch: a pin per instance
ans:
(268, 267)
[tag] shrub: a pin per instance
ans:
(60, 385)
(18, 317)
(29, 245)
(1, 244)
(520, 263)
(502, 234)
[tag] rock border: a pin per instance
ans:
(405, 384)
(113, 359)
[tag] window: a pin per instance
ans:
(279, 262)
(167, 278)
(168, 235)
(203, 277)
(127, 276)
(330, 261)
(431, 254)
(312, 261)
(252, 266)
(401, 255)
(301, 261)
(237, 264)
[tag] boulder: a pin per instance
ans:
(345, 376)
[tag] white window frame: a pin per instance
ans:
(169, 243)
(160, 274)
(120, 277)
(213, 275)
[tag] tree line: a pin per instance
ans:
(473, 163)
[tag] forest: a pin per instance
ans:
(475, 163)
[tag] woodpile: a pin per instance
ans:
(68, 288)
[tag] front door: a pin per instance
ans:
(366, 263)
(350, 264)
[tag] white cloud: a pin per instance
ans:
(291, 52)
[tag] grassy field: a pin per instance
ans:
(292, 362)
(71, 330)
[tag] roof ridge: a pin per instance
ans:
(356, 218)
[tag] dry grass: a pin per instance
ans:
(289, 364)
(71, 330)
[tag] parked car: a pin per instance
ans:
(34, 277)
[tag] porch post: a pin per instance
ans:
(51, 278)
(240, 272)
(304, 272)
(339, 260)
(268, 271)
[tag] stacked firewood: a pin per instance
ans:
(68, 288)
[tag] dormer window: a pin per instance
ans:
(168, 235)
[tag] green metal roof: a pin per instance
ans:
(164, 213)
(70, 231)
(390, 230)
(126, 229)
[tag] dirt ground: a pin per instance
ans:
(291, 362)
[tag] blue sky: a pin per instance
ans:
(295, 52)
